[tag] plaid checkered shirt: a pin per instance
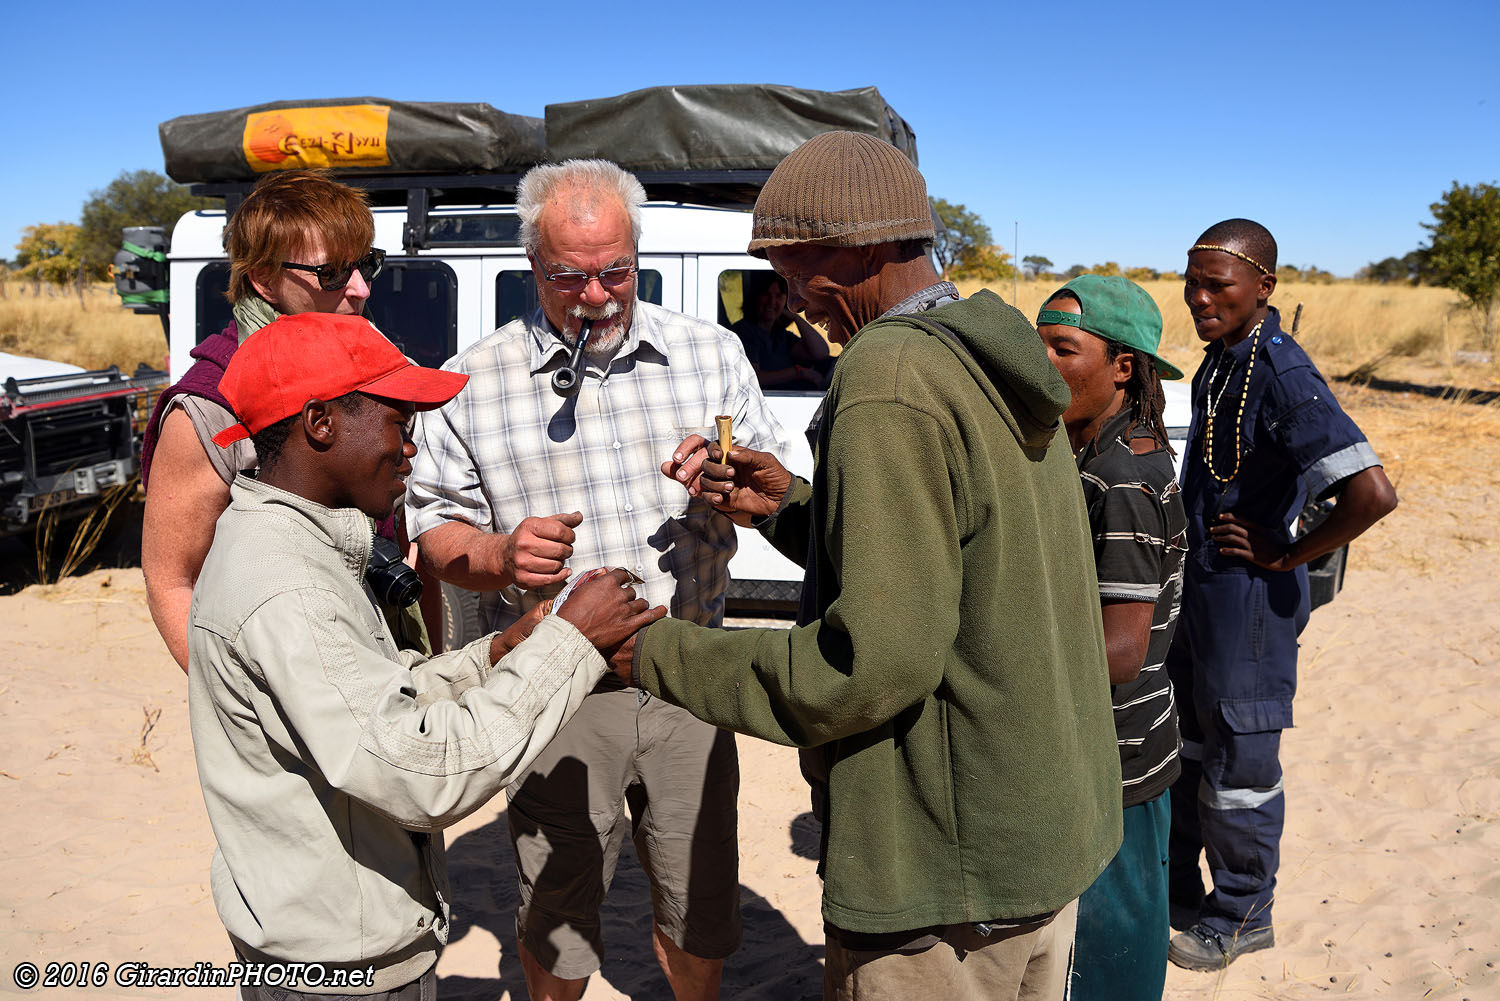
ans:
(508, 447)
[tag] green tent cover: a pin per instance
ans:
(696, 129)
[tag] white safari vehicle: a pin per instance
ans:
(455, 269)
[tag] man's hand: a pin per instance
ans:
(517, 632)
(811, 375)
(609, 614)
(622, 660)
(1250, 542)
(536, 551)
(751, 485)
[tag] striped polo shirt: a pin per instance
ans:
(1140, 538)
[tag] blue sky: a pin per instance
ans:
(1108, 131)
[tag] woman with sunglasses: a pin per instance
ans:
(300, 243)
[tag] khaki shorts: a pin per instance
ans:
(568, 822)
(1015, 963)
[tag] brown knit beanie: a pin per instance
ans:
(841, 189)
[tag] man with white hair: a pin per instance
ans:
(527, 479)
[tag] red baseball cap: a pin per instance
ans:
(321, 355)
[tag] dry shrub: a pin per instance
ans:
(1393, 331)
(93, 334)
(81, 537)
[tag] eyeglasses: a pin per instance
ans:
(577, 281)
(333, 277)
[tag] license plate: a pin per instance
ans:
(57, 498)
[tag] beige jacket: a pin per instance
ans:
(329, 759)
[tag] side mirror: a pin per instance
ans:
(140, 269)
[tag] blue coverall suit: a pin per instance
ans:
(1233, 660)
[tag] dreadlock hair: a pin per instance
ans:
(1143, 394)
(271, 439)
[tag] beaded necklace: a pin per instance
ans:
(1213, 409)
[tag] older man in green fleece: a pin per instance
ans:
(948, 671)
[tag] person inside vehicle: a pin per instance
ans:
(330, 759)
(781, 359)
(298, 243)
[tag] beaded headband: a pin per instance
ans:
(1232, 253)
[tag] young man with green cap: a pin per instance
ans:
(947, 674)
(330, 760)
(1103, 334)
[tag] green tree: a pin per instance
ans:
(135, 198)
(1108, 269)
(48, 252)
(986, 264)
(1036, 265)
(1074, 272)
(1465, 248)
(963, 235)
(1419, 268)
(1142, 274)
(1391, 269)
(1411, 269)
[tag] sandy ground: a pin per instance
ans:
(1391, 860)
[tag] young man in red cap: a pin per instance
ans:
(1103, 335)
(330, 759)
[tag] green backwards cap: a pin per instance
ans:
(1115, 309)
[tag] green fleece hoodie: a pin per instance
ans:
(955, 678)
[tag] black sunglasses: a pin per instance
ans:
(332, 277)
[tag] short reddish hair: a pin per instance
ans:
(283, 212)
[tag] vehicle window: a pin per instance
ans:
(775, 350)
(480, 229)
(515, 292)
(413, 302)
(731, 297)
(212, 309)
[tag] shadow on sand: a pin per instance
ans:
(1458, 394)
(773, 961)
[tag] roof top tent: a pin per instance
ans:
(711, 144)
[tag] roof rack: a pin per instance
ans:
(421, 193)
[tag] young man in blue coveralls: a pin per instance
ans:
(1266, 435)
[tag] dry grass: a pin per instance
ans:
(94, 333)
(1440, 454)
(79, 539)
(1394, 332)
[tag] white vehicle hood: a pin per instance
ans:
(21, 367)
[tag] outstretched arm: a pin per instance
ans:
(869, 657)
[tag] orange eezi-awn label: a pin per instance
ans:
(350, 135)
